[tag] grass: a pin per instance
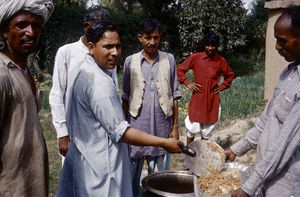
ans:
(243, 99)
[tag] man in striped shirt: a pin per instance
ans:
(276, 134)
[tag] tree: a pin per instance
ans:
(72, 2)
(122, 6)
(256, 27)
(64, 26)
(136, 10)
(226, 18)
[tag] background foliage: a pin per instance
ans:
(64, 26)
(226, 18)
(184, 23)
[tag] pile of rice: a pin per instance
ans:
(215, 183)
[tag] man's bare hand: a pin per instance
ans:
(194, 87)
(229, 154)
(63, 145)
(172, 145)
(239, 193)
(216, 90)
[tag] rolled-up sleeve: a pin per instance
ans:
(107, 109)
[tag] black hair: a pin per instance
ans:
(96, 31)
(294, 13)
(97, 14)
(148, 26)
(211, 39)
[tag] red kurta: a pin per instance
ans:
(204, 106)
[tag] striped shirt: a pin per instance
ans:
(276, 137)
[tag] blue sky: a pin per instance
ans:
(247, 3)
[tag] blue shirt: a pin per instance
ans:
(96, 163)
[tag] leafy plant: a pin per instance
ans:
(226, 18)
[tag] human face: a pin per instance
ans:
(150, 41)
(107, 50)
(288, 40)
(23, 33)
(210, 50)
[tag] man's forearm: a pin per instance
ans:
(136, 137)
(174, 131)
(140, 138)
(175, 113)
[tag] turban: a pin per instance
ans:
(43, 8)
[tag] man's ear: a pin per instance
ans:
(86, 26)
(3, 31)
(139, 36)
(91, 47)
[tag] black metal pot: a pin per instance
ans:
(169, 183)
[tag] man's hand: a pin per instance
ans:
(174, 133)
(63, 145)
(172, 145)
(229, 154)
(216, 90)
(239, 193)
(194, 87)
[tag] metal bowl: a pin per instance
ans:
(169, 183)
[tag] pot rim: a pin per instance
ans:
(163, 193)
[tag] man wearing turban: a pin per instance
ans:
(23, 154)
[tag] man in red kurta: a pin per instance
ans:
(204, 105)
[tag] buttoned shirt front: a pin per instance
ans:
(276, 137)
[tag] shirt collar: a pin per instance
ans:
(205, 56)
(81, 43)
(91, 60)
(143, 57)
(294, 66)
(297, 67)
(8, 62)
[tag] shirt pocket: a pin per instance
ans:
(283, 106)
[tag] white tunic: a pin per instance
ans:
(97, 164)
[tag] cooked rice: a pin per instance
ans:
(215, 183)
